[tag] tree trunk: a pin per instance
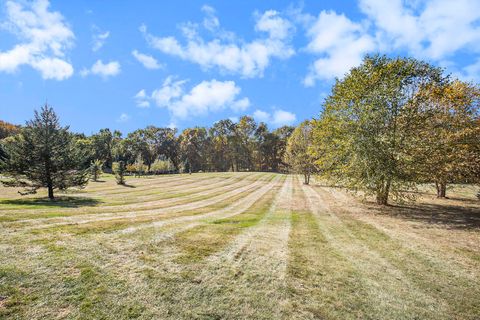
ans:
(50, 192)
(382, 194)
(441, 189)
(306, 178)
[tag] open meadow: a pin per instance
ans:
(236, 246)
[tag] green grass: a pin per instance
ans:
(197, 247)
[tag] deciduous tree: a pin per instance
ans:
(364, 138)
(298, 154)
(448, 144)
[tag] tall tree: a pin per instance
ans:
(244, 144)
(103, 145)
(44, 154)
(193, 143)
(364, 136)
(222, 135)
(449, 142)
(298, 153)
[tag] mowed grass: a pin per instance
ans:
(237, 246)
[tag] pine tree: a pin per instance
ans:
(43, 155)
(119, 171)
(96, 169)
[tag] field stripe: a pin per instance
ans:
(413, 238)
(388, 286)
(257, 258)
(229, 211)
(84, 219)
(427, 270)
(169, 197)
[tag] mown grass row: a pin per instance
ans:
(165, 199)
(338, 266)
(82, 283)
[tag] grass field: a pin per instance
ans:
(237, 246)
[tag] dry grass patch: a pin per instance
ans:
(237, 246)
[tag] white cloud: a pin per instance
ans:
(340, 42)
(276, 26)
(99, 38)
(241, 105)
(234, 119)
(277, 119)
(169, 91)
(123, 118)
(470, 72)
(282, 117)
(104, 70)
(249, 59)
(44, 38)
(203, 98)
(432, 30)
(148, 62)
(53, 68)
(261, 115)
(210, 22)
(141, 99)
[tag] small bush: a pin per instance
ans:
(162, 166)
(119, 171)
(96, 169)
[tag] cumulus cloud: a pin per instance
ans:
(44, 37)
(104, 70)
(148, 62)
(210, 22)
(278, 118)
(248, 59)
(203, 98)
(99, 38)
(433, 29)
(340, 42)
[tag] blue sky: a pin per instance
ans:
(129, 64)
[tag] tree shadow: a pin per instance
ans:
(126, 185)
(434, 215)
(60, 202)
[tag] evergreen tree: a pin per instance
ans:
(43, 154)
(119, 171)
(96, 169)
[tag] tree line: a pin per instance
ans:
(44, 154)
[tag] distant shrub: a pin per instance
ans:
(138, 167)
(119, 171)
(162, 166)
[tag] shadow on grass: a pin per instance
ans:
(60, 201)
(126, 185)
(435, 215)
